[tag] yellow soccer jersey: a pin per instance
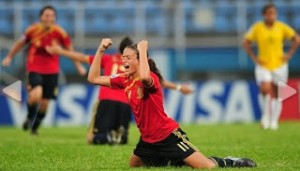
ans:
(270, 42)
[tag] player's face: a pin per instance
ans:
(130, 61)
(270, 15)
(48, 18)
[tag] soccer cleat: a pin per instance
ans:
(265, 121)
(34, 132)
(274, 126)
(26, 125)
(240, 162)
(112, 137)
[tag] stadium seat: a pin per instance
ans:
(96, 22)
(65, 3)
(189, 23)
(6, 24)
(283, 12)
(199, 19)
(295, 14)
(151, 3)
(127, 4)
(123, 21)
(155, 20)
(296, 22)
(118, 24)
(5, 3)
(222, 24)
(253, 15)
(102, 4)
(66, 19)
(225, 16)
(29, 16)
(187, 4)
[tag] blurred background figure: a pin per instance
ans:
(271, 61)
(112, 114)
(42, 67)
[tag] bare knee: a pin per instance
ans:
(35, 94)
(135, 161)
(266, 88)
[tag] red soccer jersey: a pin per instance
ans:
(147, 106)
(111, 64)
(38, 59)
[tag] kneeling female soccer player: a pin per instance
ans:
(162, 142)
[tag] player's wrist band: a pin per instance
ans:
(178, 87)
(100, 50)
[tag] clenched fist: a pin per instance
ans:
(105, 43)
(142, 45)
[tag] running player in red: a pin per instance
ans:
(111, 118)
(162, 142)
(42, 67)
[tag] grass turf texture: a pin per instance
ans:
(66, 149)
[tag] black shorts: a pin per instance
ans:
(110, 115)
(49, 83)
(168, 152)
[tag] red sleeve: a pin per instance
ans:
(117, 81)
(27, 37)
(65, 39)
(91, 59)
(28, 33)
(104, 59)
(155, 82)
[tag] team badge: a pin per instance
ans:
(114, 76)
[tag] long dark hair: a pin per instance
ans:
(47, 7)
(151, 63)
(126, 41)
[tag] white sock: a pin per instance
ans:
(266, 111)
(276, 111)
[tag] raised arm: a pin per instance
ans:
(80, 68)
(144, 70)
(95, 76)
(13, 51)
(73, 55)
(184, 89)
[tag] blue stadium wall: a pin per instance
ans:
(212, 102)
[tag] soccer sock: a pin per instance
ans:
(222, 162)
(37, 121)
(31, 109)
(124, 138)
(276, 111)
(266, 107)
(100, 138)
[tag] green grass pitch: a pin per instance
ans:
(64, 148)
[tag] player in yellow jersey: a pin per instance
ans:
(271, 61)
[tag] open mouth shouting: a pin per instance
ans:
(126, 66)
